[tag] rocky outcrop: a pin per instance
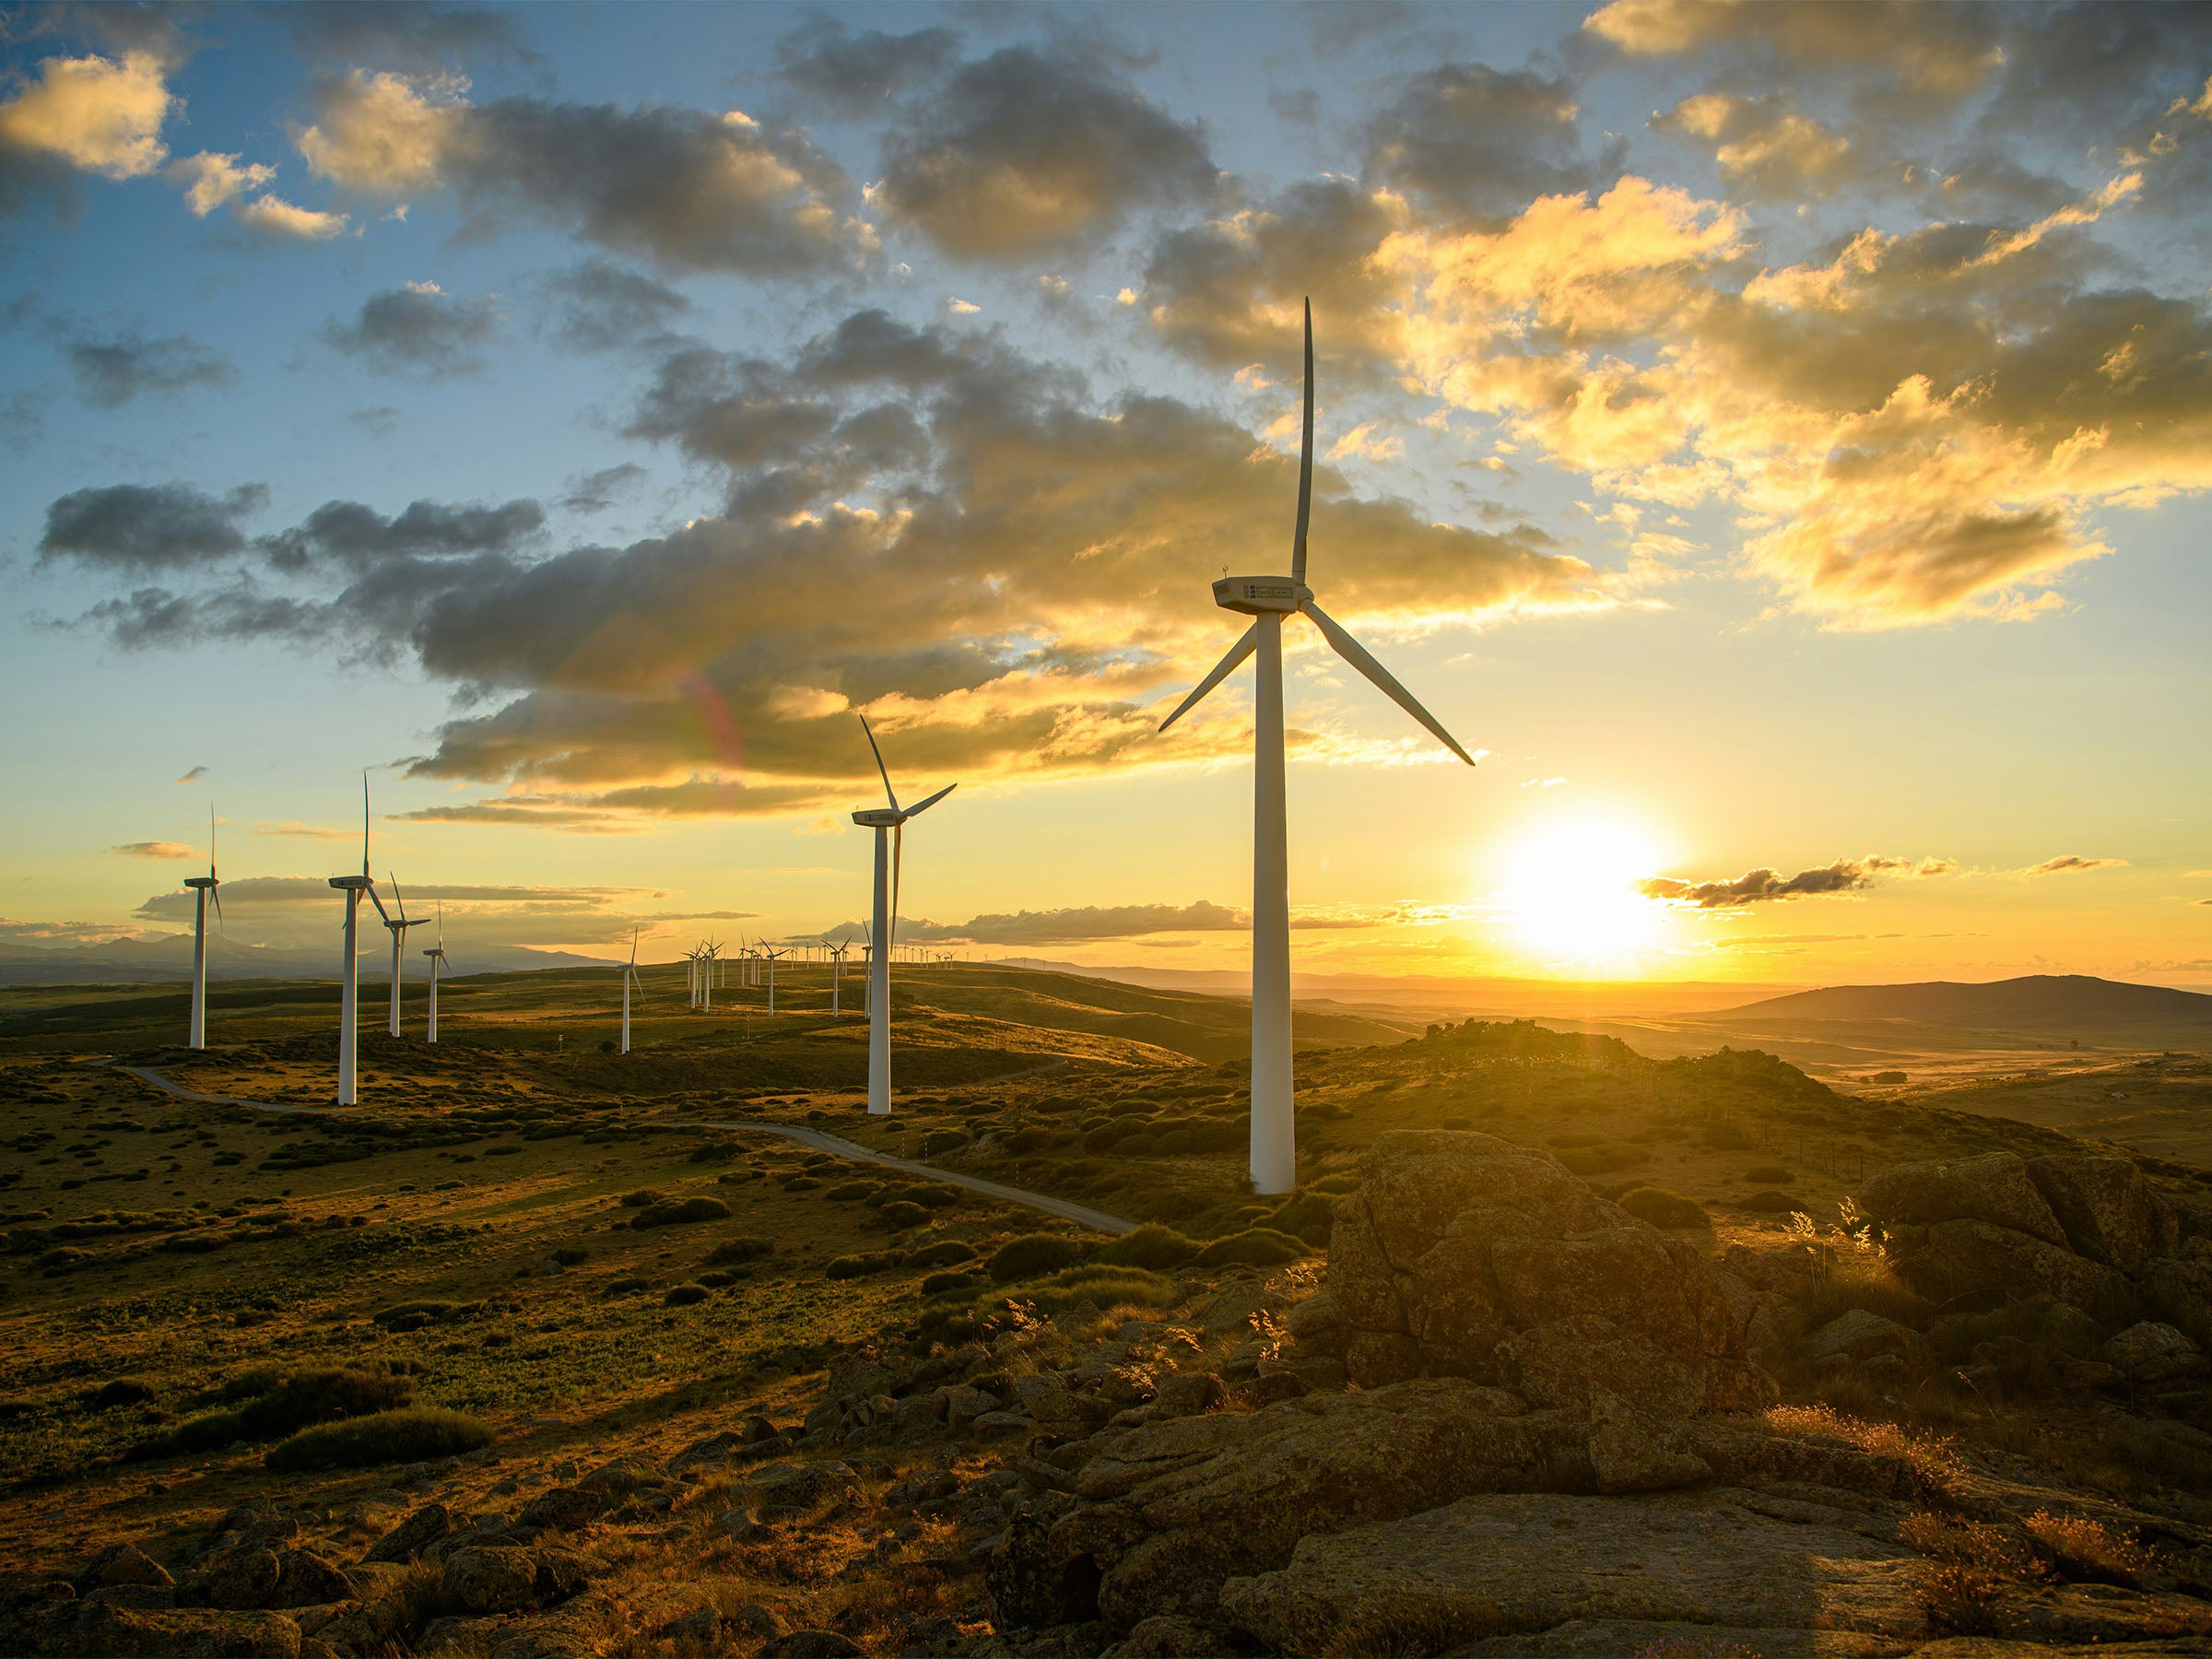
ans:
(1494, 1566)
(2088, 1230)
(1462, 1255)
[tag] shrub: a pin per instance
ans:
(1032, 1255)
(388, 1437)
(1661, 1207)
(1022, 1142)
(1151, 1246)
(1975, 1563)
(1254, 1247)
(317, 1396)
(1865, 1279)
(671, 1211)
(1101, 1287)
(624, 1286)
(570, 1258)
(938, 1282)
(123, 1391)
(641, 1198)
(684, 1296)
(802, 1183)
(1309, 1217)
(848, 1191)
(943, 1141)
(857, 1267)
(1934, 1464)
(414, 1315)
(744, 1248)
(2086, 1550)
(903, 1215)
(716, 1279)
(942, 1252)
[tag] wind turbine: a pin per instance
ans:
(353, 887)
(207, 887)
(837, 973)
(437, 956)
(1268, 600)
(630, 974)
(706, 988)
(399, 936)
(771, 958)
(889, 824)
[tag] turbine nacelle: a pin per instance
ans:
(199, 881)
(879, 817)
(1261, 595)
(358, 883)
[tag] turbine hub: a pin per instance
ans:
(1259, 596)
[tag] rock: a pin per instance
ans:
(565, 1509)
(1029, 1585)
(239, 1577)
(811, 1644)
(757, 1429)
(1976, 1262)
(1174, 1507)
(122, 1564)
(999, 1425)
(306, 1580)
(543, 1641)
(1995, 1188)
(1457, 1244)
(964, 1404)
(1187, 1396)
(491, 1579)
(1613, 1638)
(407, 1540)
(2150, 1353)
(1859, 1334)
(1495, 1565)
(2103, 1614)
(184, 1633)
(1233, 1308)
(798, 1487)
(756, 1622)
(132, 1595)
(440, 1634)
(1632, 1453)
(2106, 1208)
(1164, 1637)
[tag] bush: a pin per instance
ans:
(744, 1248)
(671, 1211)
(715, 1280)
(1254, 1247)
(684, 1296)
(641, 1198)
(903, 1215)
(849, 1191)
(937, 1282)
(1033, 1255)
(388, 1437)
(942, 1252)
(624, 1286)
(1661, 1207)
(943, 1141)
(570, 1258)
(856, 1266)
(123, 1391)
(2087, 1550)
(1101, 1287)
(277, 1402)
(1151, 1246)
(1309, 1217)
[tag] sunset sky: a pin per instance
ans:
(1773, 437)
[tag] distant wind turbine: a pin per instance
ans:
(399, 937)
(889, 824)
(207, 887)
(353, 887)
(771, 958)
(630, 977)
(437, 956)
(1268, 600)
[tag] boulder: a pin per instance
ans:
(1995, 1188)
(2107, 1208)
(2179, 1289)
(2150, 1354)
(1463, 1255)
(307, 1580)
(1631, 1451)
(565, 1509)
(1859, 1334)
(1164, 1637)
(238, 1577)
(1173, 1507)
(182, 1633)
(491, 1579)
(811, 1644)
(409, 1538)
(1499, 1565)
(1645, 1638)
(1968, 1261)
(122, 1564)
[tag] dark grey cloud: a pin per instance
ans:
(1466, 138)
(418, 329)
(148, 527)
(856, 72)
(402, 34)
(2091, 69)
(599, 306)
(112, 372)
(357, 536)
(1026, 152)
(1069, 926)
(595, 492)
(1764, 886)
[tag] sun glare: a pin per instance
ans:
(1571, 891)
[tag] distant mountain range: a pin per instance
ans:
(2037, 1001)
(168, 961)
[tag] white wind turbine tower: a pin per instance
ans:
(1268, 600)
(436, 954)
(889, 824)
(630, 977)
(207, 887)
(837, 973)
(771, 958)
(353, 887)
(399, 938)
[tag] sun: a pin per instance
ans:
(1570, 893)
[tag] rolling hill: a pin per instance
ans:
(2047, 1004)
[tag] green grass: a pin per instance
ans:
(388, 1437)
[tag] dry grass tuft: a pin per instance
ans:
(1975, 1565)
(1931, 1458)
(2089, 1550)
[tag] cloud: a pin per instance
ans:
(1069, 926)
(855, 73)
(139, 527)
(599, 306)
(2072, 863)
(418, 329)
(410, 33)
(1026, 153)
(211, 179)
(307, 831)
(300, 910)
(109, 373)
(1466, 138)
(97, 115)
(194, 776)
(1763, 886)
(1764, 148)
(1006, 571)
(689, 189)
(595, 492)
(279, 221)
(1939, 52)
(155, 849)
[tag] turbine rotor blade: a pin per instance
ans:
(1305, 464)
(211, 842)
(925, 806)
(1352, 652)
(879, 765)
(215, 891)
(401, 897)
(1222, 670)
(365, 827)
